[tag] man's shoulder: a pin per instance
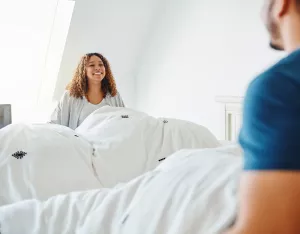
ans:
(280, 80)
(271, 127)
(269, 82)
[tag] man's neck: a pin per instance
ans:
(293, 46)
(292, 36)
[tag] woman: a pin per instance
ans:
(92, 87)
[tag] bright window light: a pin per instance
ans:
(30, 37)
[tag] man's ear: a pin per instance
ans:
(281, 7)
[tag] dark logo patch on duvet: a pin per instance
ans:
(19, 154)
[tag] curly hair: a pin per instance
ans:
(78, 86)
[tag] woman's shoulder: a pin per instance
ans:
(115, 100)
(67, 97)
(66, 93)
(116, 96)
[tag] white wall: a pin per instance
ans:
(115, 28)
(200, 49)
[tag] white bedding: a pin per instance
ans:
(194, 191)
(113, 145)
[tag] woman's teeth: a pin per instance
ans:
(98, 73)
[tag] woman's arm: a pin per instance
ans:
(55, 116)
(58, 116)
(119, 100)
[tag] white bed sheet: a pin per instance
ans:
(193, 191)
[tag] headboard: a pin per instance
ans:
(232, 115)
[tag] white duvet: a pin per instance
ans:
(193, 191)
(113, 145)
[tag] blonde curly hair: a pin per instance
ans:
(78, 86)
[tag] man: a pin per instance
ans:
(270, 135)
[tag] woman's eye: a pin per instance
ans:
(92, 65)
(101, 65)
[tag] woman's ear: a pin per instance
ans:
(281, 7)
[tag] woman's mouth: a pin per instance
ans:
(98, 73)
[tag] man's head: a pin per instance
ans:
(282, 19)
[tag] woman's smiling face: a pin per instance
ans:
(95, 69)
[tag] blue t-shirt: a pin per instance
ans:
(270, 134)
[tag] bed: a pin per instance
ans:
(112, 146)
(191, 191)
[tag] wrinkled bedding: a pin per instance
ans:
(192, 191)
(112, 146)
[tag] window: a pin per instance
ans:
(30, 37)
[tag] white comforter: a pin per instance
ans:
(194, 191)
(113, 145)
